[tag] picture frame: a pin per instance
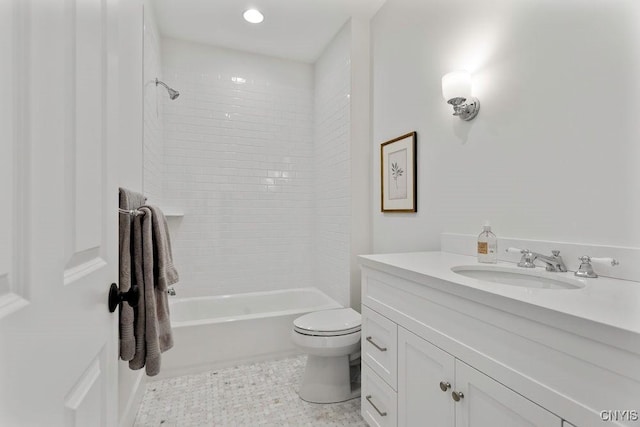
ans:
(398, 174)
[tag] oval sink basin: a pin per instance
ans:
(509, 276)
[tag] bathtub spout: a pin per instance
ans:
(171, 291)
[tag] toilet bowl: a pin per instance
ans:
(328, 337)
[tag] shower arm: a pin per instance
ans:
(158, 82)
(173, 94)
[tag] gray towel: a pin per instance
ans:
(128, 200)
(153, 325)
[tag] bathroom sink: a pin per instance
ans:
(534, 278)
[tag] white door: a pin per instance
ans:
(58, 212)
(425, 381)
(486, 402)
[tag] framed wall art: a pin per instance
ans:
(398, 169)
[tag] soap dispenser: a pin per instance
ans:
(487, 245)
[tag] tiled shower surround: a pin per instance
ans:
(256, 154)
(239, 161)
(332, 167)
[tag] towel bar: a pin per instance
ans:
(116, 297)
(131, 213)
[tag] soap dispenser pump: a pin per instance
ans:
(487, 245)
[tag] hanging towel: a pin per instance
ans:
(152, 324)
(128, 200)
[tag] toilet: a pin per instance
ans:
(329, 337)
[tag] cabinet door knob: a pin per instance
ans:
(457, 395)
(444, 386)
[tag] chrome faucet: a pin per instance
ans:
(553, 262)
(171, 291)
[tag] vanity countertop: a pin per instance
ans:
(605, 309)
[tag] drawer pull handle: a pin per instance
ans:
(457, 396)
(376, 345)
(382, 414)
(444, 386)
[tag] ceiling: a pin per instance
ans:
(292, 29)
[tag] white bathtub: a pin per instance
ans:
(214, 332)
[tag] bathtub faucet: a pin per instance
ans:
(171, 291)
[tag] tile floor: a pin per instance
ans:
(260, 394)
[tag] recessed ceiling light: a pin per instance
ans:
(253, 15)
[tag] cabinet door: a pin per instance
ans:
(421, 368)
(486, 402)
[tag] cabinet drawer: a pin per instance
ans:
(380, 345)
(379, 402)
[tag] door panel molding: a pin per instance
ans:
(76, 273)
(84, 401)
(85, 129)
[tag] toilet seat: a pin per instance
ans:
(329, 323)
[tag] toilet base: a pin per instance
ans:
(327, 380)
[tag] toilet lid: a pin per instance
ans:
(340, 321)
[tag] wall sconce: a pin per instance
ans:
(456, 90)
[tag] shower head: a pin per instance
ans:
(173, 94)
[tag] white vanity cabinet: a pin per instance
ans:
(424, 339)
(429, 378)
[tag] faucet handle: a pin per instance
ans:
(555, 253)
(611, 261)
(586, 270)
(527, 257)
(517, 250)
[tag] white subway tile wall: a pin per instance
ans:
(332, 165)
(239, 160)
(153, 154)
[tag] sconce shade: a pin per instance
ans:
(456, 84)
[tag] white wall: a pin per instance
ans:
(130, 164)
(553, 154)
(239, 162)
(154, 97)
(332, 154)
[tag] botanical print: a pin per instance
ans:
(396, 171)
(397, 162)
(398, 174)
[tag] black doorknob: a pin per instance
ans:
(116, 297)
